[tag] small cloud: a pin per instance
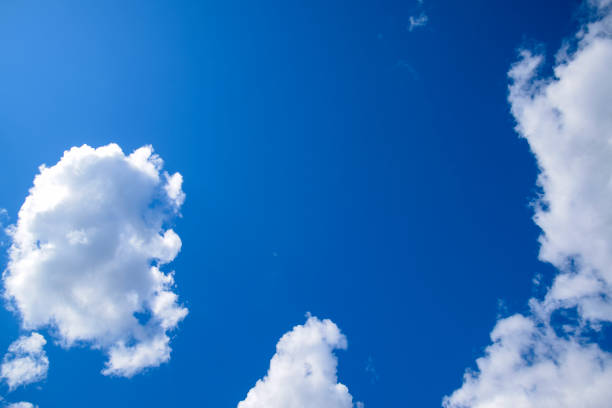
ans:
(502, 308)
(26, 361)
(21, 405)
(5, 228)
(417, 21)
(406, 66)
(374, 377)
(303, 372)
(537, 279)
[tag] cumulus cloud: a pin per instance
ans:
(26, 361)
(302, 373)
(87, 254)
(530, 365)
(535, 361)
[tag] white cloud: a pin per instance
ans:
(173, 188)
(418, 20)
(302, 373)
(21, 405)
(415, 22)
(567, 120)
(26, 361)
(531, 366)
(87, 251)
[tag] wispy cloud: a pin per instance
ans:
(415, 22)
(21, 405)
(407, 67)
(371, 369)
(419, 19)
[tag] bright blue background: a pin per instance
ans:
(379, 165)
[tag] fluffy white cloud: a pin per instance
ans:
(87, 252)
(530, 366)
(26, 361)
(567, 120)
(302, 373)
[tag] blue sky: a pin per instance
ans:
(333, 160)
